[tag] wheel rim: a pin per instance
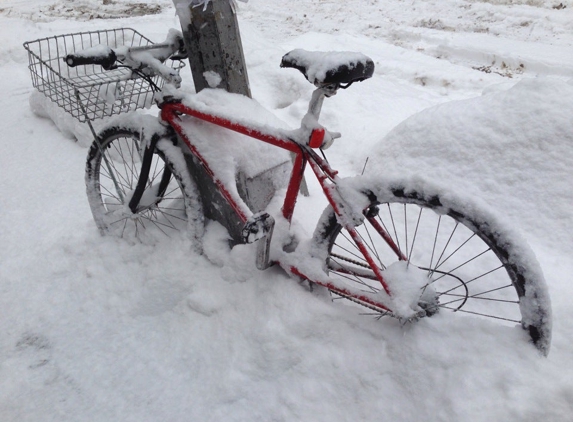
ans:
(117, 175)
(467, 276)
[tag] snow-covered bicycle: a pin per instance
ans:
(403, 247)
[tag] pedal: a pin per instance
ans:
(257, 227)
(260, 227)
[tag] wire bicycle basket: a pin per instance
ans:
(89, 92)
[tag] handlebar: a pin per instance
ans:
(100, 54)
(146, 60)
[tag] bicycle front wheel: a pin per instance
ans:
(112, 171)
(471, 264)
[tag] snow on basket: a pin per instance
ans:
(89, 92)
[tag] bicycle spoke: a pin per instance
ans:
(381, 222)
(415, 234)
(378, 312)
(354, 279)
(124, 226)
(137, 221)
(435, 241)
(350, 252)
(153, 175)
(482, 314)
(462, 297)
(124, 182)
(446, 246)
(166, 215)
(109, 194)
(492, 290)
(370, 247)
(461, 265)
(129, 163)
(158, 225)
(161, 213)
(486, 273)
(175, 189)
(455, 251)
(373, 249)
(478, 296)
(172, 209)
(128, 166)
(394, 227)
(370, 289)
(475, 278)
(406, 229)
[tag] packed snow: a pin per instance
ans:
(476, 96)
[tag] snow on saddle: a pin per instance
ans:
(327, 68)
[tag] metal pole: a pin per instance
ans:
(211, 33)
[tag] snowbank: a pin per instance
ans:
(512, 148)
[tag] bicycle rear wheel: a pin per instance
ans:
(471, 264)
(112, 171)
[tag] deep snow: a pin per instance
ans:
(100, 329)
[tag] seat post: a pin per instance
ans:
(317, 99)
(315, 104)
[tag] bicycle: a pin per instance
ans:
(402, 248)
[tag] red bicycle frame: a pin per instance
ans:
(171, 112)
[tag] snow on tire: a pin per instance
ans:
(111, 178)
(473, 264)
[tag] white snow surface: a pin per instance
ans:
(212, 78)
(408, 280)
(474, 95)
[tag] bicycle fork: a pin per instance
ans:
(135, 202)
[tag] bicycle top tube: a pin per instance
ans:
(247, 116)
(235, 112)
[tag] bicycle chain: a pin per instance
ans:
(364, 304)
(343, 258)
(357, 301)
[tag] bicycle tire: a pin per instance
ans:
(474, 265)
(176, 209)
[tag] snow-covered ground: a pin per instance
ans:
(477, 95)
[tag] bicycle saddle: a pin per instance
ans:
(327, 68)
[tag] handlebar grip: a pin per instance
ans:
(102, 55)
